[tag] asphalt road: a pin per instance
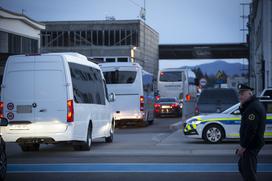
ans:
(138, 153)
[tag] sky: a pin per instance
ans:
(176, 21)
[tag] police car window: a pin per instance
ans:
(269, 107)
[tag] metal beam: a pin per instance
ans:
(203, 51)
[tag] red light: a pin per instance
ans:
(188, 97)
(70, 111)
(162, 73)
(141, 103)
(1, 109)
(157, 105)
(158, 98)
(174, 105)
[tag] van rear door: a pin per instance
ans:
(50, 89)
(18, 89)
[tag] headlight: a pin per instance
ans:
(191, 120)
(196, 122)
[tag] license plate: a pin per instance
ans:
(166, 107)
(24, 109)
(18, 127)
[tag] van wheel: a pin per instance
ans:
(85, 146)
(150, 122)
(213, 134)
(30, 147)
(3, 163)
(110, 138)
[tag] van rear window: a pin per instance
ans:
(170, 76)
(120, 77)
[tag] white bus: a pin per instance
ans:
(133, 88)
(176, 82)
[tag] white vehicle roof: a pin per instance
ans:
(174, 69)
(119, 64)
(69, 56)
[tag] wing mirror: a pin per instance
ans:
(111, 97)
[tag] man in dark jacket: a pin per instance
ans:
(251, 132)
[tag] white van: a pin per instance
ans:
(55, 97)
(177, 82)
(133, 88)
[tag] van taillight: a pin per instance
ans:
(141, 103)
(1, 109)
(70, 111)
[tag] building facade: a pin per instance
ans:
(18, 35)
(260, 43)
(105, 41)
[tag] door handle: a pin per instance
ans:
(43, 110)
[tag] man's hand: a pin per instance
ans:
(240, 151)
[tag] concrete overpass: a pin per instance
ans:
(204, 51)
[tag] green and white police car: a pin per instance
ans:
(213, 128)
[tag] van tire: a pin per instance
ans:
(109, 139)
(86, 145)
(26, 147)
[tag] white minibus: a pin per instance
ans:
(55, 97)
(134, 92)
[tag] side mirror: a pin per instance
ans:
(236, 112)
(3, 122)
(111, 97)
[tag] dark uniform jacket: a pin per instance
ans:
(252, 124)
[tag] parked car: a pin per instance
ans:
(214, 128)
(3, 156)
(216, 100)
(55, 97)
(168, 106)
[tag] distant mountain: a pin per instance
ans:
(229, 68)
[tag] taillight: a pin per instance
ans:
(1, 109)
(141, 103)
(70, 111)
(174, 105)
(157, 105)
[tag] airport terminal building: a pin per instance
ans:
(104, 41)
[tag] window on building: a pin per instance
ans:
(54, 39)
(89, 38)
(60, 39)
(112, 37)
(65, 39)
(123, 37)
(128, 37)
(83, 38)
(100, 38)
(110, 60)
(95, 42)
(122, 59)
(117, 37)
(14, 44)
(106, 38)
(134, 38)
(72, 39)
(77, 38)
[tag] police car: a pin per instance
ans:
(213, 128)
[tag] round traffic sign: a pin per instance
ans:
(203, 82)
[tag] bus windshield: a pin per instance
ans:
(173, 76)
(120, 77)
